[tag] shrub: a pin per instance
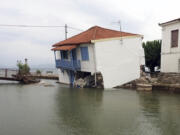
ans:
(38, 72)
(24, 69)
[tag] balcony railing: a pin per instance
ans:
(66, 64)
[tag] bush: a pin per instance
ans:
(24, 69)
(152, 50)
(38, 72)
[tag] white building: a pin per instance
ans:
(170, 50)
(116, 55)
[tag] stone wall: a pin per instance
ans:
(169, 78)
(160, 81)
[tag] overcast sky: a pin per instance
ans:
(137, 16)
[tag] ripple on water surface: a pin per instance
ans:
(49, 108)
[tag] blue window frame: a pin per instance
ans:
(84, 53)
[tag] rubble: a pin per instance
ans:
(80, 83)
(88, 81)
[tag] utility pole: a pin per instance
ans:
(119, 22)
(120, 29)
(66, 31)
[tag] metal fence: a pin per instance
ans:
(4, 72)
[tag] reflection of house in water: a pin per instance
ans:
(101, 56)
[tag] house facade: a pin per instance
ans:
(170, 50)
(115, 55)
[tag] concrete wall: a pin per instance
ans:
(169, 56)
(170, 63)
(58, 56)
(87, 66)
(63, 77)
(119, 62)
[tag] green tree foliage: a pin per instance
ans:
(38, 72)
(24, 69)
(152, 50)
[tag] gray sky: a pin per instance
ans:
(137, 16)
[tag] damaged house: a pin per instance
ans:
(99, 57)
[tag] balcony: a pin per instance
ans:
(70, 65)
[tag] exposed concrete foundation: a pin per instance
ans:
(86, 80)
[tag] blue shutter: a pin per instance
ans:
(84, 53)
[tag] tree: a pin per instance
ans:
(152, 50)
(38, 72)
(24, 69)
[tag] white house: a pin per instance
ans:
(116, 55)
(170, 50)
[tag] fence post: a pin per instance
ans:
(6, 73)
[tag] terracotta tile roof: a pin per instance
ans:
(93, 33)
(67, 47)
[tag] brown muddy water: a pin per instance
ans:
(59, 110)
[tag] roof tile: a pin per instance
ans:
(93, 33)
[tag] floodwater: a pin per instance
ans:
(58, 110)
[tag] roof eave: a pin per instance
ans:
(169, 22)
(56, 45)
(115, 38)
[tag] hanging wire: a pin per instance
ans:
(38, 26)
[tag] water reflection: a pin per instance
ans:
(149, 103)
(40, 110)
(78, 110)
(157, 116)
(149, 116)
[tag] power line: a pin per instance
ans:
(75, 28)
(40, 26)
(7, 25)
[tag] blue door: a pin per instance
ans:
(74, 56)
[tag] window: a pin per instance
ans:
(64, 54)
(174, 38)
(84, 53)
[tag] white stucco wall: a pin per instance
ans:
(169, 56)
(87, 66)
(58, 56)
(63, 77)
(170, 63)
(119, 63)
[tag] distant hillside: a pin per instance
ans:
(40, 66)
(43, 66)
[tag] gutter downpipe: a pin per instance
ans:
(95, 77)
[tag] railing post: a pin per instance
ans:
(6, 73)
(72, 61)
